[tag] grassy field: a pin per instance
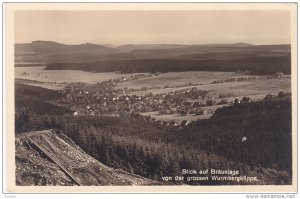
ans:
(49, 86)
(255, 89)
(178, 78)
(249, 88)
(68, 76)
(176, 117)
(246, 88)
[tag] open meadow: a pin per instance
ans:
(174, 80)
(256, 89)
(176, 117)
(166, 83)
(178, 78)
(204, 80)
(63, 76)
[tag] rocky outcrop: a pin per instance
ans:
(51, 158)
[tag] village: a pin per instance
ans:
(106, 99)
(168, 104)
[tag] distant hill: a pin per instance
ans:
(131, 47)
(48, 51)
(53, 47)
(153, 57)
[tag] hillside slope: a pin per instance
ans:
(51, 158)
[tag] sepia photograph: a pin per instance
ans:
(161, 95)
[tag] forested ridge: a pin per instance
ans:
(258, 59)
(256, 65)
(148, 149)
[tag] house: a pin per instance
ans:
(173, 123)
(194, 88)
(201, 112)
(147, 118)
(196, 104)
(183, 113)
(237, 101)
(211, 102)
(191, 111)
(201, 104)
(184, 123)
(168, 112)
(223, 101)
(246, 100)
(278, 75)
(244, 139)
(162, 112)
(188, 104)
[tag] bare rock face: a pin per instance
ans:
(51, 158)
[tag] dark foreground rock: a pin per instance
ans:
(51, 158)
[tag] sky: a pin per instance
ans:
(153, 27)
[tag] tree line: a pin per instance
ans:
(256, 65)
(150, 150)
